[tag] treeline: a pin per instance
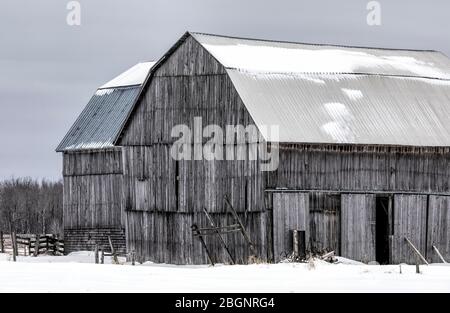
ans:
(28, 206)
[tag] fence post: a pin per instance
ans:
(14, 246)
(55, 244)
(96, 253)
(102, 256)
(36, 245)
(133, 258)
(2, 247)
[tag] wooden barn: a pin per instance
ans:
(363, 154)
(92, 165)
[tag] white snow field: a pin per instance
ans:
(77, 273)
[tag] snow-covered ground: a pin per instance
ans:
(76, 273)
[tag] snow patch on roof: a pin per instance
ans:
(280, 57)
(393, 110)
(133, 76)
(353, 94)
(102, 92)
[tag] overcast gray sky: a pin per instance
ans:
(49, 70)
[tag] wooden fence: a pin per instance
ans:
(26, 244)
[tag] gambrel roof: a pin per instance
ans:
(315, 93)
(333, 94)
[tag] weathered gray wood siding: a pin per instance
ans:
(410, 221)
(164, 197)
(156, 182)
(362, 168)
(92, 189)
(358, 236)
(438, 228)
(290, 212)
(166, 237)
(350, 168)
(325, 222)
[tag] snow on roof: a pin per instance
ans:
(330, 94)
(133, 76)
(284, 57)
(103, 117)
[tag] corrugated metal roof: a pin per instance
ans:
(329, 94)
(100, 121)
(285, 57)
(103, 117)
(318, 108)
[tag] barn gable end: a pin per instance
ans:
(179, 89)
(164, 196)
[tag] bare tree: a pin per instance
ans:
(29, 206)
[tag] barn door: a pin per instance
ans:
(410, 216)
(290, 212)
(358, 216)
(325, 227)
(438, 228)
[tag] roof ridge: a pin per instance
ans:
(317, 44)
(120, 87)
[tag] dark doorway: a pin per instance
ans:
(382, 229)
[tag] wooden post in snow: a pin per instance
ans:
(439, 254)
(133, 258)
(29, 246)
(55, 244)
(416, 251)
(14, 246)
(36, 245)
(113, 252)
(96, 254)
(102, 256)
(2, 247)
